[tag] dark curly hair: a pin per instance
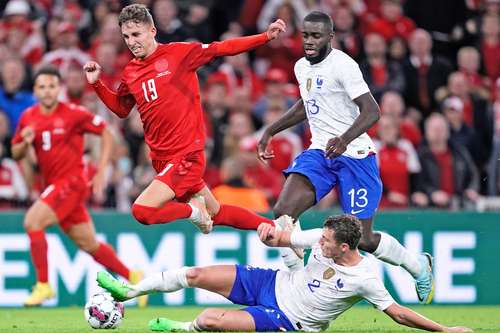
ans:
(347, 229)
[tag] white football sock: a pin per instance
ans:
(195, 213)
(168, 281)
(391, 251)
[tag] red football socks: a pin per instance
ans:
(239, 218)
(38, 246)
(106, 256)
(171, 211)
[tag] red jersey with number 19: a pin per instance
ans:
(58, 139)
(165, 87)
(166, 90)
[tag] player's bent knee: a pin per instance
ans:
(210, 320)
(141, 214)
(194, 275)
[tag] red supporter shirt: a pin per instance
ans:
(59, 138)
(165, 88)
(446, 178)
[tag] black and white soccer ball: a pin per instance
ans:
(103, 312)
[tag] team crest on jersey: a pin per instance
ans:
(161, 65)
(328, 274)
(319, 82)
(309, 84)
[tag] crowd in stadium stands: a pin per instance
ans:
(433, 66)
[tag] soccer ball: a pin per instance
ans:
(102, 311)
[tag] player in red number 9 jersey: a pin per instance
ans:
(55, 131)
(162, 81)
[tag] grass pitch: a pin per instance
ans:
(361, 319)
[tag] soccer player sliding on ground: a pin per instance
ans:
(161, 80)
(335, 278)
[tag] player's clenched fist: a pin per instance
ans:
(28, 134)
(268, 234)
(275, 28)
(92, 71)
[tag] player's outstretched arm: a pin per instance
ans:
(271, 236)
(119, 105)
(242, 44)
(369, 115)
(404, 316)
(295, 115)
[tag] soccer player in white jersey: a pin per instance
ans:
(335, 278)
(339, 107)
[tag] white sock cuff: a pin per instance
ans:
(182, 276)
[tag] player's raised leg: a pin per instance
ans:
(38, 217)
(297, 196)
(229, 215)
(155, 206)
(360, 193)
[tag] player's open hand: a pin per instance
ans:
(268, 234)
(92, 71)
(262, 153)
(458, 329)
(275, 28)
(335, 147)
(28, 134)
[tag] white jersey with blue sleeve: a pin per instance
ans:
(319, 293)
(328, 89)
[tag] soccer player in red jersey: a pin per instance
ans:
(55, 131)
(161, 80)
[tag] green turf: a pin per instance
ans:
(362, 319)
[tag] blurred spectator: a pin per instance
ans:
(469, 62)
(285, 145)
(398, 162)
(67, 53)
(475, 114)
(110, 32)
(490, 45)
(346, 32)
(270, 11)
(216, 109)
(398, 50)
(237, 72)
(424, 73)
(13, 100)
(283, 52)
(449, 178)
(12, 186)
(392, 104)
(494, 166)
(143, 173)
(275, 85)
(169, 27)
(380, 74)
(5, 133)
(197, 24)
(239, 127)
(23, 37)
(119, 180)
(460, 133)
(391, 23)
(233, 191)
(106, 55)
(443, 19)
(134, 136)
(75, 85)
